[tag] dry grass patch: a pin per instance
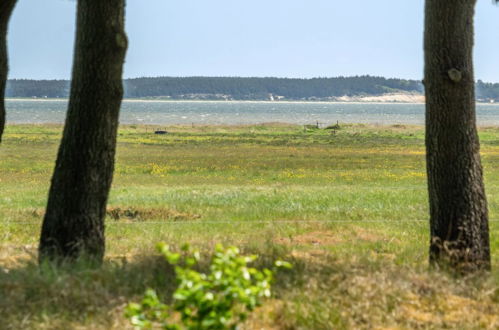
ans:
(128, 213)
(15, 255)
(323, 238)
(345, 295)
(139, 214)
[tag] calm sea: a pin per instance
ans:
(198, 112)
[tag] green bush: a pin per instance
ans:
(220, 299)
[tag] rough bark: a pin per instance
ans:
(458, 205)
(6, 8)
(73, 225)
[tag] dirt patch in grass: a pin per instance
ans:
(329, 237)
(447, 310)
(324, 238)
(138, 214)
(313, 242)
(265, 316)
(131, 214)
(366, 235)
(37, 213)
(12, 255)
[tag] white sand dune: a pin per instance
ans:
(389, 97)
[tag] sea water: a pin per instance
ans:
(236, 113)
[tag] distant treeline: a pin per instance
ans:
(228, 87)
(487, 91)
(262, 88)
(236, 88)
(37, 88)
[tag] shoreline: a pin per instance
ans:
(354, 100)
(10, 99)
(21, 99)
(239, 125)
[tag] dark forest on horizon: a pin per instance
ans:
(240, 88)
(229, 88)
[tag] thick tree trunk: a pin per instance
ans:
(73, 226)
(6, 8)
(458, 205)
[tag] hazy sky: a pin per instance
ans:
(284, 38)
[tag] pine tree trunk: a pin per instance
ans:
(458, 205)
(73, 226)
(6, 8)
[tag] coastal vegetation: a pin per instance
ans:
(348, 210)
(239, 88)
(231, 88)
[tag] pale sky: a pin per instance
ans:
(282, 38)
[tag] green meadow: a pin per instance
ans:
(348, 208)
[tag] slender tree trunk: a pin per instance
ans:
(458, 205)
(74, 221)
(6, 8)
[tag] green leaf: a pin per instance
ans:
(283, 264)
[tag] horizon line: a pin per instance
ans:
(235, 76)
(252, 77)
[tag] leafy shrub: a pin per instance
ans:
(220, 299)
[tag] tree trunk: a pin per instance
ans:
(6, 8)
(458, 205)
(73, 225)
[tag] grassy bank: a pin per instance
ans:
(348, 209)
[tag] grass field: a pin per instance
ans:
(349, 210)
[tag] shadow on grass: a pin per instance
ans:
(322, 291)
(38, 297)
(75, 295)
